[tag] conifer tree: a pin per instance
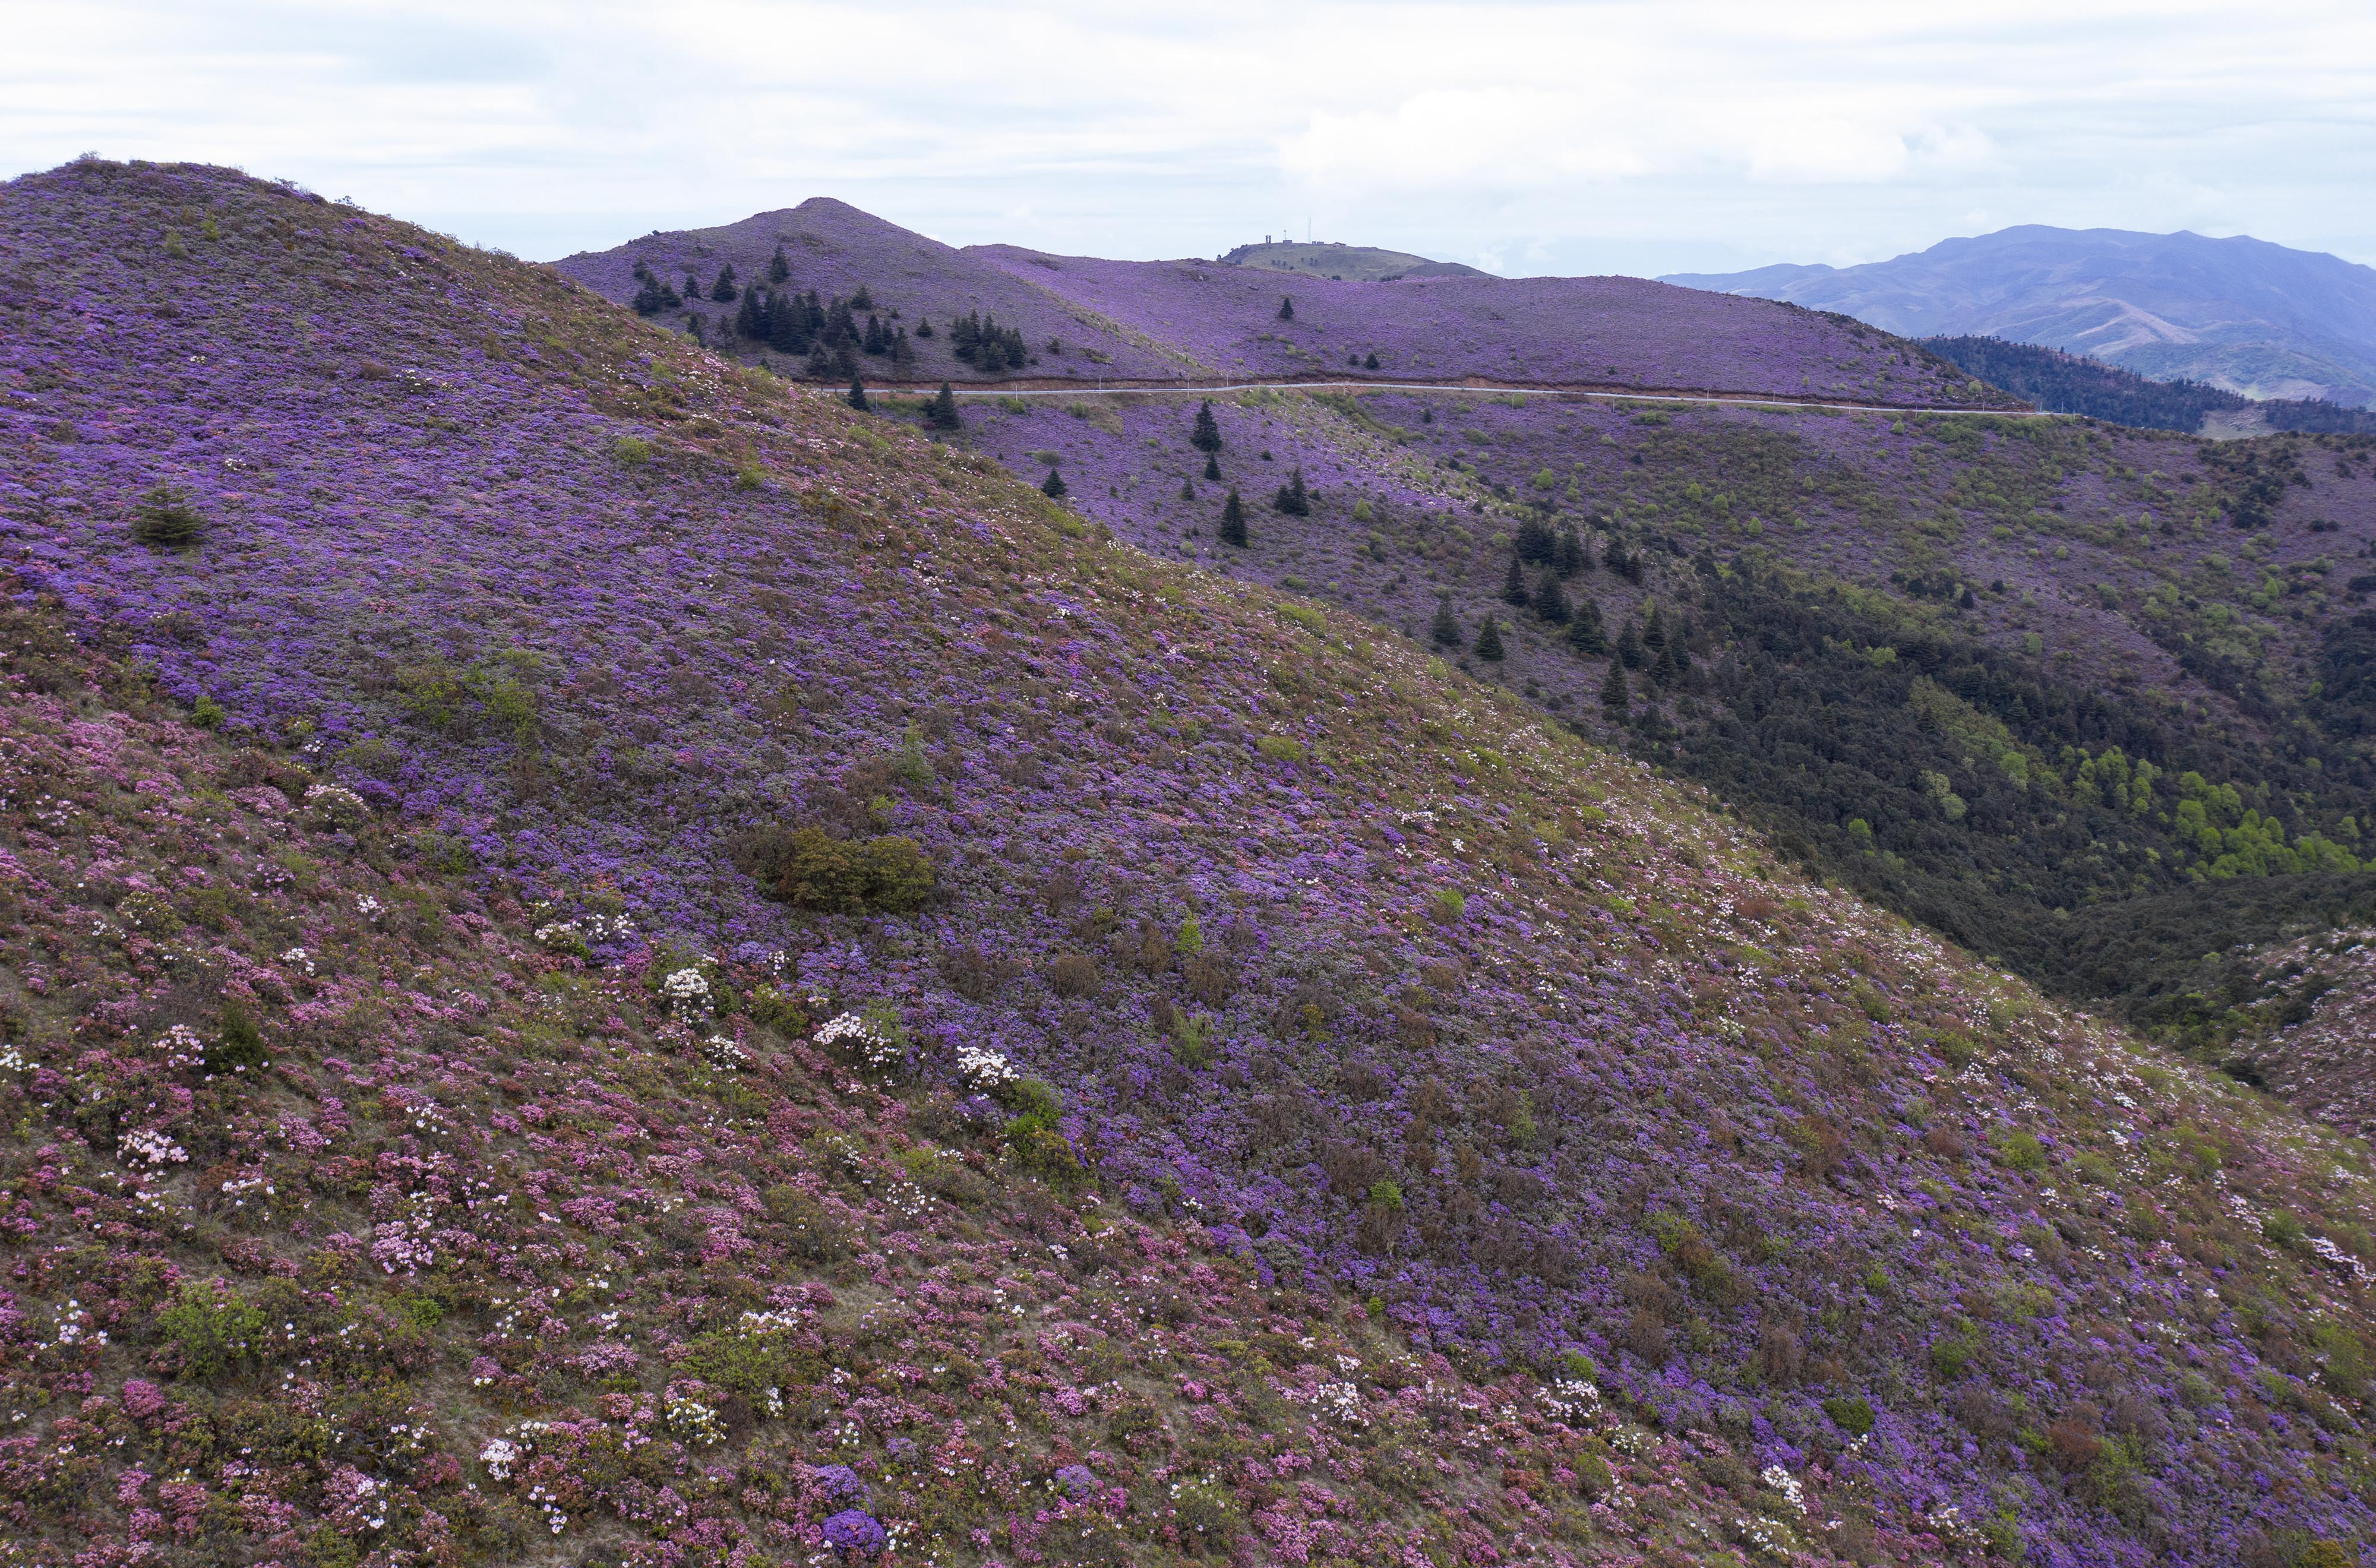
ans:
(692, 324)
(1533, 541)
(1206, 436)
(862, 300)
(923, 327)
(1233, 521)
(1372, 363)
(1585, 632)
(1663, 671)
(1286, 308)
(1572, 555)
(903, 353)
(723, 291)
(944, 410)
(875, 342)
(692, 288)
(1550, 600)
(746, 319)
(857, 392)
(778, 268)
(1653, 635)
(1629, 647)
(1292, 498)
(1187, 488)
(1513, 584)
(1445, 633)
(1053, 486)
(1614, 700)
(1489, 642)
(821, 362)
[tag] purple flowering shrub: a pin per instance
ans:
(1453, 1141)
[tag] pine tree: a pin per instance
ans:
(1514, 586)
(1213, 468)
(1292, 498)
(862, 300)
(1550, 600)
(723, 291)
(903, 353)
(1286, 308)
(1187, 488)
(857, 392)
(1206, 436)
(1445, 633)
(692, 288)
(875, 342)
(1233, 521)
(1489, 642)
(1585, 632)
(944, 410)
(1372, 363)
(1053, 486)
(923, 327)
(1663, 669)
(1572, 555)
(1653, 635)
(1614, 700)
(821, 362)
(746, 319)
(1629, 647)
(1533, 541)
(692, 324)
(779, 268)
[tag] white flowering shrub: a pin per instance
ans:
(1570, 1400)
(874, 1041)
(1784, 1482)
(336, 806)
(695, 1421)
(983, 1070)
(152, 1149)
(182, 1047)
(687, 994)
(499, 1455)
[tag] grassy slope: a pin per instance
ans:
(1498, 1049)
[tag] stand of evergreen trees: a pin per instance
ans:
(2074, 383)
(981, 342)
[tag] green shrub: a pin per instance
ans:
(1447, 906)
(213, 1327)
(166, 519)
(632, 450)
(817, 1236)
(1282, 748)
(1850, 1413)
(2020, 1150)
(806, 866)
(240, 1049)
(2281, 1228)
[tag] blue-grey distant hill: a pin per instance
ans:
(2241, 314)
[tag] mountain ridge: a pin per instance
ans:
(2237, 312)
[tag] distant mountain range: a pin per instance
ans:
(2239, 313)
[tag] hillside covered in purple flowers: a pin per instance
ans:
(607, 960)
(1079, 318)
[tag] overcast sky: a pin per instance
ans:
(1565, 137)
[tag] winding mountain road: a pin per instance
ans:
(1044, 388)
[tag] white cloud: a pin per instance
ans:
(1563, 136)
